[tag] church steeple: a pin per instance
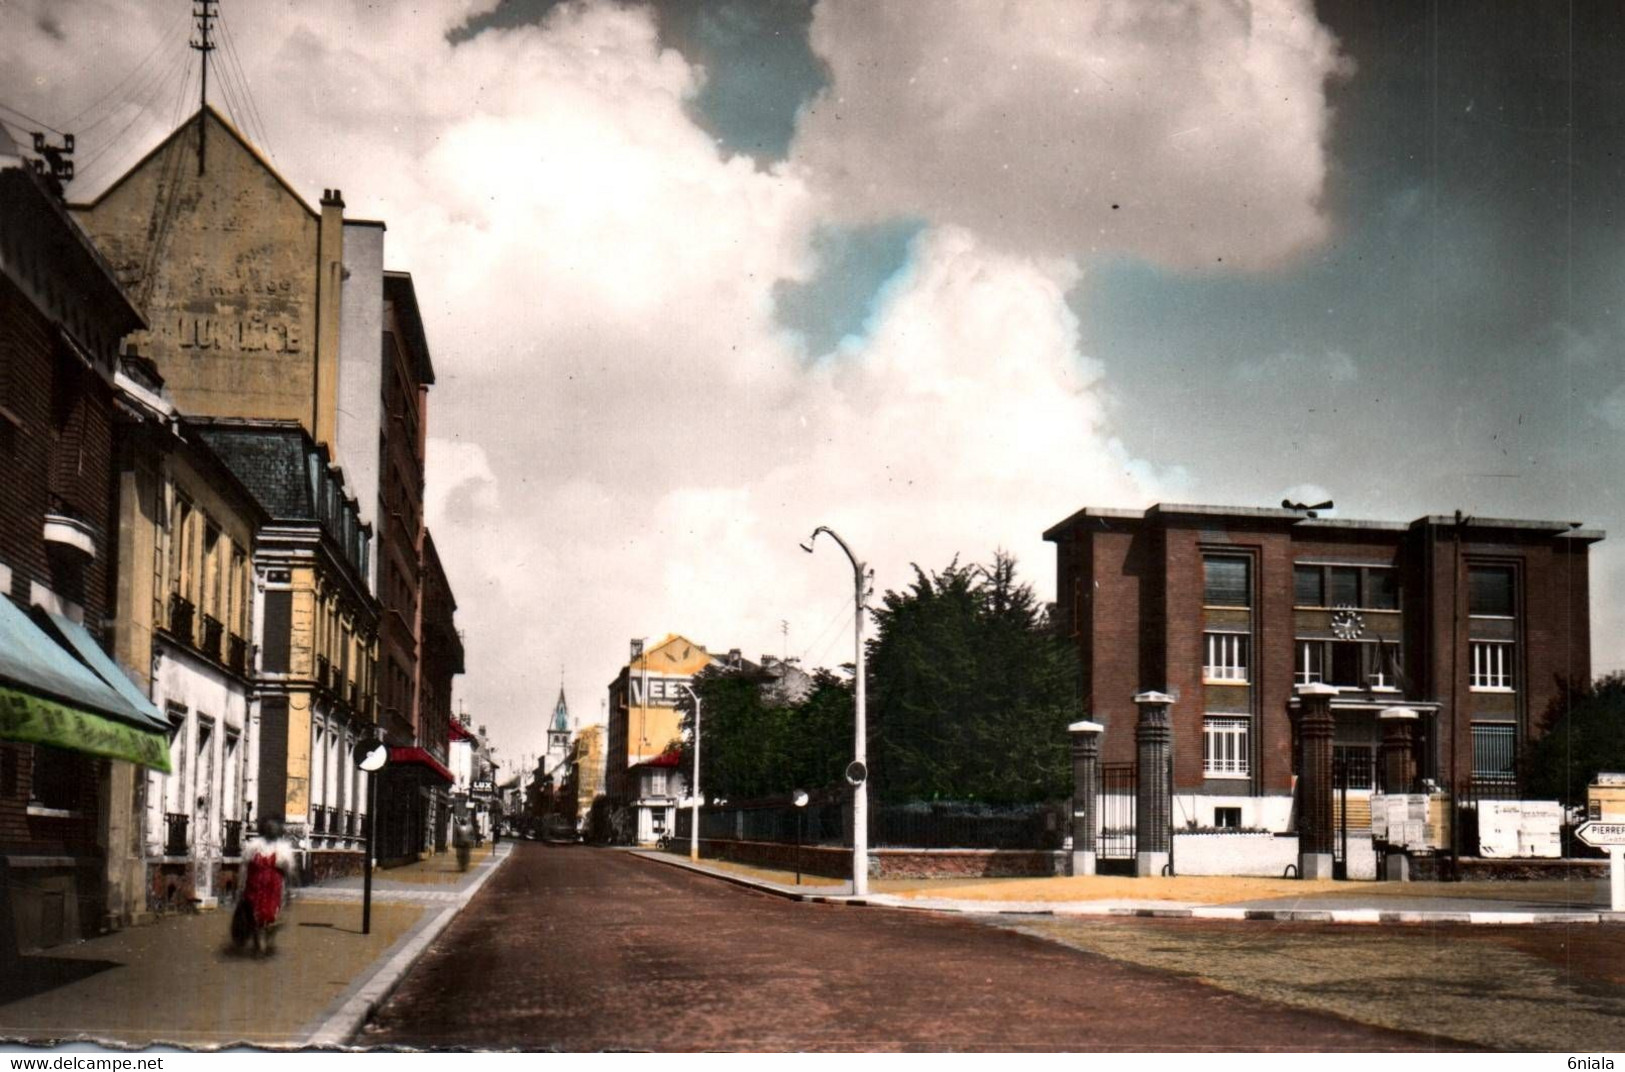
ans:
(558, 732)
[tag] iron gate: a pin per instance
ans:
(1352, 768)
(1118, 784)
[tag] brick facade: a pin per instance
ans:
(1131, 593)
(61, 318)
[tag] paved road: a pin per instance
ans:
(585, 949)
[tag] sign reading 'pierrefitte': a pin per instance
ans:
(1601, 835)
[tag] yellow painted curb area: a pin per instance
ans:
(181, 981)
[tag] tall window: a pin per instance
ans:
(1491, 666)
(1367, 587)
(1224, 746)
(1495, 751)
(1226, 658)
(654, 783)
(1351, 664)
(1490, 591)
(1226, 581)
(1311, 663)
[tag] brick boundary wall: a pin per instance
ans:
(1436, 868)
(835, 861)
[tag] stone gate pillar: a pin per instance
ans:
(1315, 780)
(1398, 776)
(1085, 793)
(1398, 749)
(1153, 804)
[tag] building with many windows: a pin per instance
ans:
(186, 530)
(1471, 623)
(74, 730)
(317, 634)
(644, 721)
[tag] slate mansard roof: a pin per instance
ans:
(291, 478)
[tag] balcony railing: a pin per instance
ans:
(237, 654)
(321, 671)
(318, 820)
(181, 613)
(175, 825)
(349, 824)
(234, 838)
(213, 634)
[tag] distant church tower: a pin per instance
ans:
(558, 733)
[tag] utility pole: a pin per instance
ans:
(857, 772)
(204, 13)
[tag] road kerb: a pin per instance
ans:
(1174, 910)
(338, 1030)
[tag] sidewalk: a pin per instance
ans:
(1199, 897)
(180, 981)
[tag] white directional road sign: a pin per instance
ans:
(1601, 835)
(1610, 836)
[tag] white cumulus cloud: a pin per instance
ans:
(1186, 132)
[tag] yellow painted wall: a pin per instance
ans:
(298, 792)
(225, 267)
(654, 725)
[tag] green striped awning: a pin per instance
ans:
(37, 720)
(50, 693)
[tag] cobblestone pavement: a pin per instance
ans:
(597, 949)
(1534, 987)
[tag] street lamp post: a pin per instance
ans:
(694, 790)
(858, 772)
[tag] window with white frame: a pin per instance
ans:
(1310, 667)
(1491, 666)
(1224, 746)
(1226, 658)
(654, 783)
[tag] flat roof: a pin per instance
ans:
(1571, 530)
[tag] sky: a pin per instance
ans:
(699, 277)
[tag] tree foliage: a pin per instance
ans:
(970, 693)
(971, 690)
(751, 748)
(1586, 735)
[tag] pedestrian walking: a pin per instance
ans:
(270, 865)
(462, 838)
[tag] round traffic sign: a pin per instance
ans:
(371, 754)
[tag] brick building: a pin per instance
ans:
(1470, 622)
(73, 728)
(441, 661)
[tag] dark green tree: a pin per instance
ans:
(971, 691)
(751, 748)
(1586, 734)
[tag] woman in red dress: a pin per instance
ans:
(270, 862)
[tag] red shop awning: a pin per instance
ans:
(422, 759)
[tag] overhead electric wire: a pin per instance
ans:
(163, 38)
(228, 94)
(25, 117)
(160, 91)
(139, 94)
(261, 137)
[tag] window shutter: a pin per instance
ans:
(1225, 582)
(1489, 591)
